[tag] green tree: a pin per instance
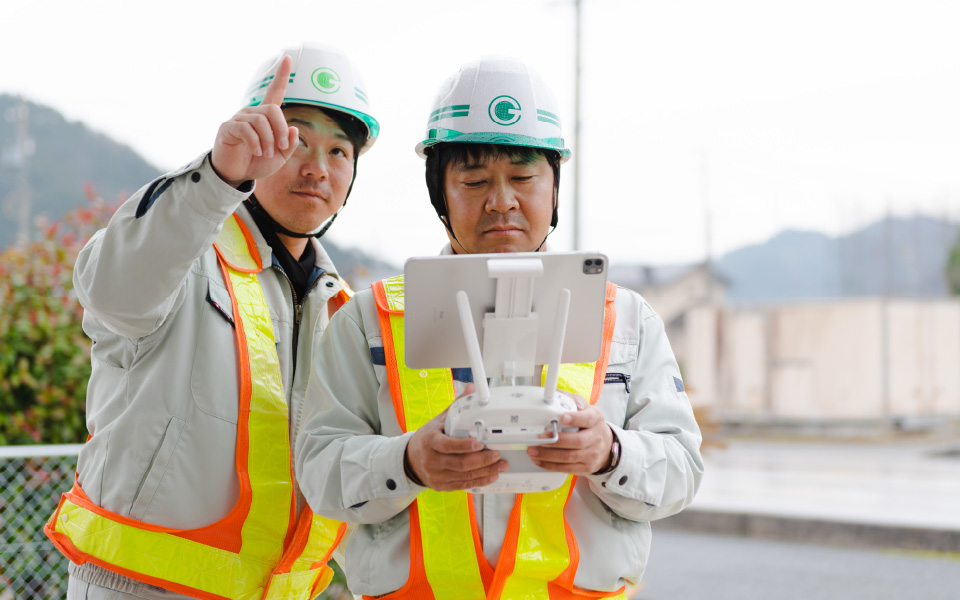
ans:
(44, 354)
(953, 268)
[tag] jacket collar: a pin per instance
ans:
(266, 252)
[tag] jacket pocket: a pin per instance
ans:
(214, 380)
(219, 299)
(158, 467)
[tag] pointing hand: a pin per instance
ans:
(256, 141)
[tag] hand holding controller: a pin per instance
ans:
(585, 451)
(514, 420)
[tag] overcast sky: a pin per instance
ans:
(817, 114)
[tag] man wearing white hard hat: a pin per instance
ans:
(372, 449)
(203, 297)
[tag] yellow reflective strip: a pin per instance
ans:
(575, 377)
(426, 392)
(295, 585)
(323, 533)
(449, 555)
(542, 552)
(233, 245)
(393, 287)
(159, 555)
(268, 459)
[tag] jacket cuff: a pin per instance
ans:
(631, 476)
(392, 480)
(207, 193)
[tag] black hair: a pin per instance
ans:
(441, 155)
(353, 127)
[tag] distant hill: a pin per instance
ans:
(359, 268)
(897, 256)
(65, 156)
(68, 155)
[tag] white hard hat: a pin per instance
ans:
(320, 76)
(495, 100)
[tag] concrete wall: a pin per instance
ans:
(862, 359)
(675, 298)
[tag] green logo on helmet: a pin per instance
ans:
(326, 80)
(504, 110)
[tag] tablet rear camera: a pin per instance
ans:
(593, 266)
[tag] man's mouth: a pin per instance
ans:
(311, 194)
(503, 230)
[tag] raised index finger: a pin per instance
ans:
(278, 87)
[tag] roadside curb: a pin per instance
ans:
(798, 529)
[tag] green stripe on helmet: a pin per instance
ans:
(455, 113)
(360, 94)
(548, 120)
(263, 83)
(548, 114)
(453, 107)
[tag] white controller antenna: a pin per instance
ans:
(473, 348)
(559, 330)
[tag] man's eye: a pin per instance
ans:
(473, 184)
(523, 178)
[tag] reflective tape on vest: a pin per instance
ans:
(539, 555)
(242, 556)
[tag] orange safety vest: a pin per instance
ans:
(539, 557)
(260, 550)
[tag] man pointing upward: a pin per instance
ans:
(203, 297)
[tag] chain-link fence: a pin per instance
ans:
(31, 481)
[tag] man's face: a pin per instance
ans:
(499, 204)
(312, 185)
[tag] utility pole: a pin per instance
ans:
(707, 224)
(577, 157)
(885, 398)
(16, 156)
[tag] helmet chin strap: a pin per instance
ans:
(277, 227)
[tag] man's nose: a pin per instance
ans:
(503, 198)
(314, 166)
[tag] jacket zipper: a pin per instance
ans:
(618, 378)
(298, 315)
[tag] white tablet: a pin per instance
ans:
(434, 336)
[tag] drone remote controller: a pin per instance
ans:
(514, 418)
